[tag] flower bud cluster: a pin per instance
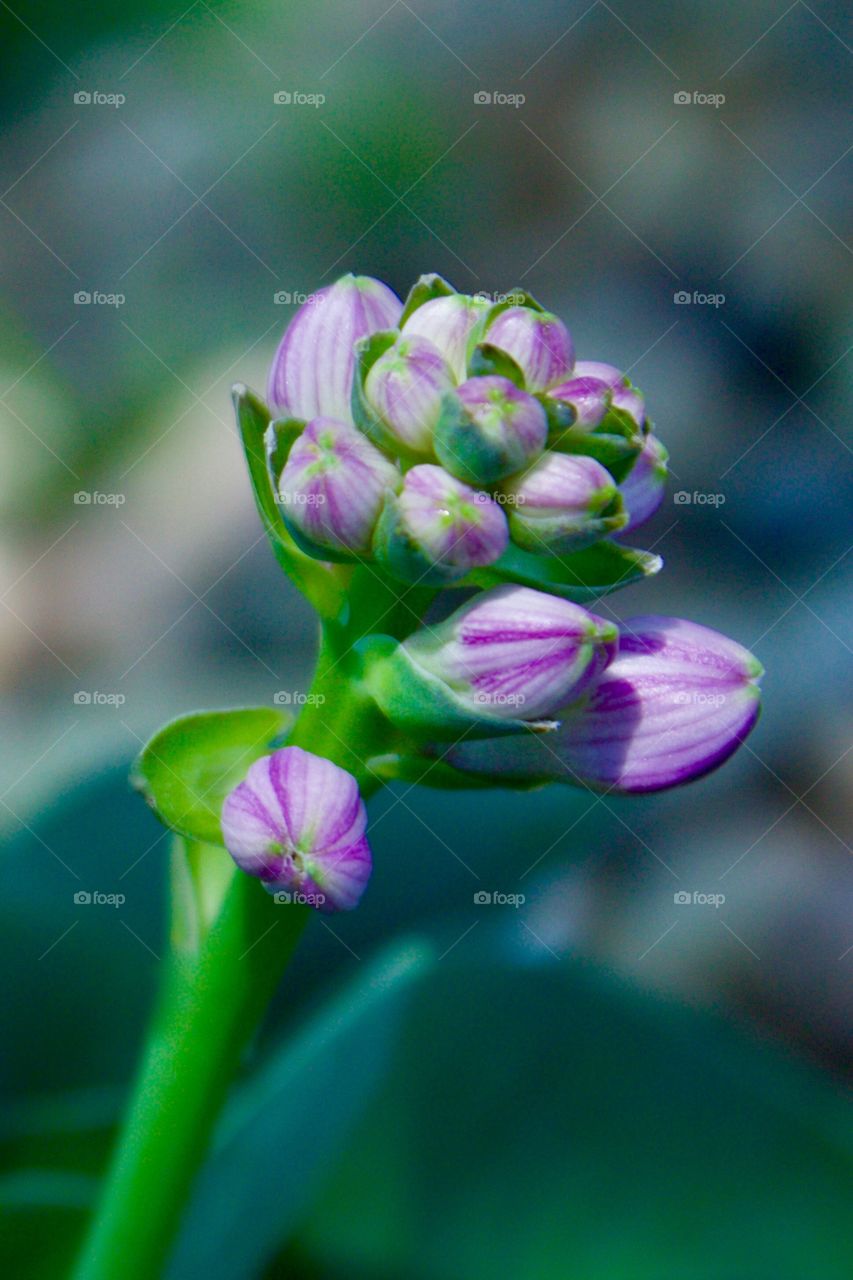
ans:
(431, 434)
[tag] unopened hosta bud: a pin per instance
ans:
(507, 658)
(606, 373)
(447, 322)
(538, 342)
(675, 702)
(630, 401)
(332, 488)
(588, 398)
(562, 503)
(643, 490)
(311, 375)
(298, 823)
(404, 389)
(489, 429)
(436, 528)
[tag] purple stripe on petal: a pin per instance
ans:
(298, 822)
(311, 374)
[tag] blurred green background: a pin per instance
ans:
(601, 1083)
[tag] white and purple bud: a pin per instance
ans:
(298, 824)
(447, 323)
(500, 663)
(643, 489)
(588, 398)
(539, 343)
(404, 389)
(436, 529)
(332, 488)
(312, 372)
(675, 703)
(562, 503)
(606, 373)
(630, 401)
(489, 429)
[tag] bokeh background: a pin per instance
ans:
(601, 1082)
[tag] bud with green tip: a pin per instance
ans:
(563, 503)
(538, 342)
(436, 529)
(404, 389)
(587, 397)
(447, 323)
(332, 488)
(489, 429)
(501, 663)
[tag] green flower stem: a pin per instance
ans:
(230, 945)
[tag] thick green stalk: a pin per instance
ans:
(230, 946)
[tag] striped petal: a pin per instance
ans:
(312, 371)
(643, 489)
(447, 322)
(538, 342)
(298, 822)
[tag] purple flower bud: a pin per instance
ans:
(607, 373)
(437, 528)
(512, 652)
(675, 702)
(643, 489)
(298, 822)
(538, 342)
(332, 488)
(488, 429)
(447, 322)
(562, 503)
(588, 397)
(311, 374)
(630, 401)
(404, 388)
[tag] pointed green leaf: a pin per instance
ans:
(584, 575)
(186, 770)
